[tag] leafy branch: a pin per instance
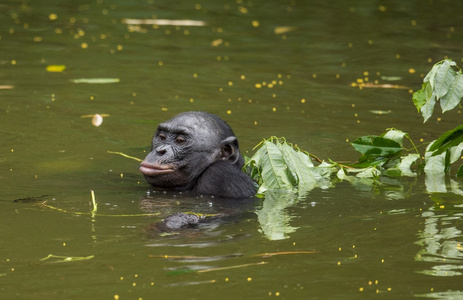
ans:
(278, 165)
(443, 83)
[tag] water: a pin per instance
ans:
(252, 64)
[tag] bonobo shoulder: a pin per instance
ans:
(225, 180)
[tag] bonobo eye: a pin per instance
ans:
(180, 140)
(162, 137)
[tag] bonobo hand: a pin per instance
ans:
(179, 220)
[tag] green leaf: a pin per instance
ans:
(428, 108)
(298, 163)
(460, 171)
(406, 162)
(447, 140)
(396, 136)
(455, 153)
(419, 97)
(370, 172)
(375, 146)
(432, 74)
(274, 170)
(434, 163)
(445, 76)
(454, 94)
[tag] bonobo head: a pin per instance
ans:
(185, 146)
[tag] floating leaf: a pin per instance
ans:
(380, 112)
(96, 80)
(97, 120)
(61, 259)
(391, 78)
(56, 68)
(375, 146)
(395, 135)
(385, 86)
(163, 22)
(406, 162)
(370, 172)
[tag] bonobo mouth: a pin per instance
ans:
(148, 169)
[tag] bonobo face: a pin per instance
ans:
(184, 146)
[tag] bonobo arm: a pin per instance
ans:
(225, 180)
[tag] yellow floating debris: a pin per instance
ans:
(283, 29)
(56, 68)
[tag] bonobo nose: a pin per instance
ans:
(161, 150)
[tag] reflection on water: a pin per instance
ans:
(442, 243)
(274, 218)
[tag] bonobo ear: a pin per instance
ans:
(229, 149)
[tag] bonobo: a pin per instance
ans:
(198, 152)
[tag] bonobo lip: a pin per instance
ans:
(155, 169)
